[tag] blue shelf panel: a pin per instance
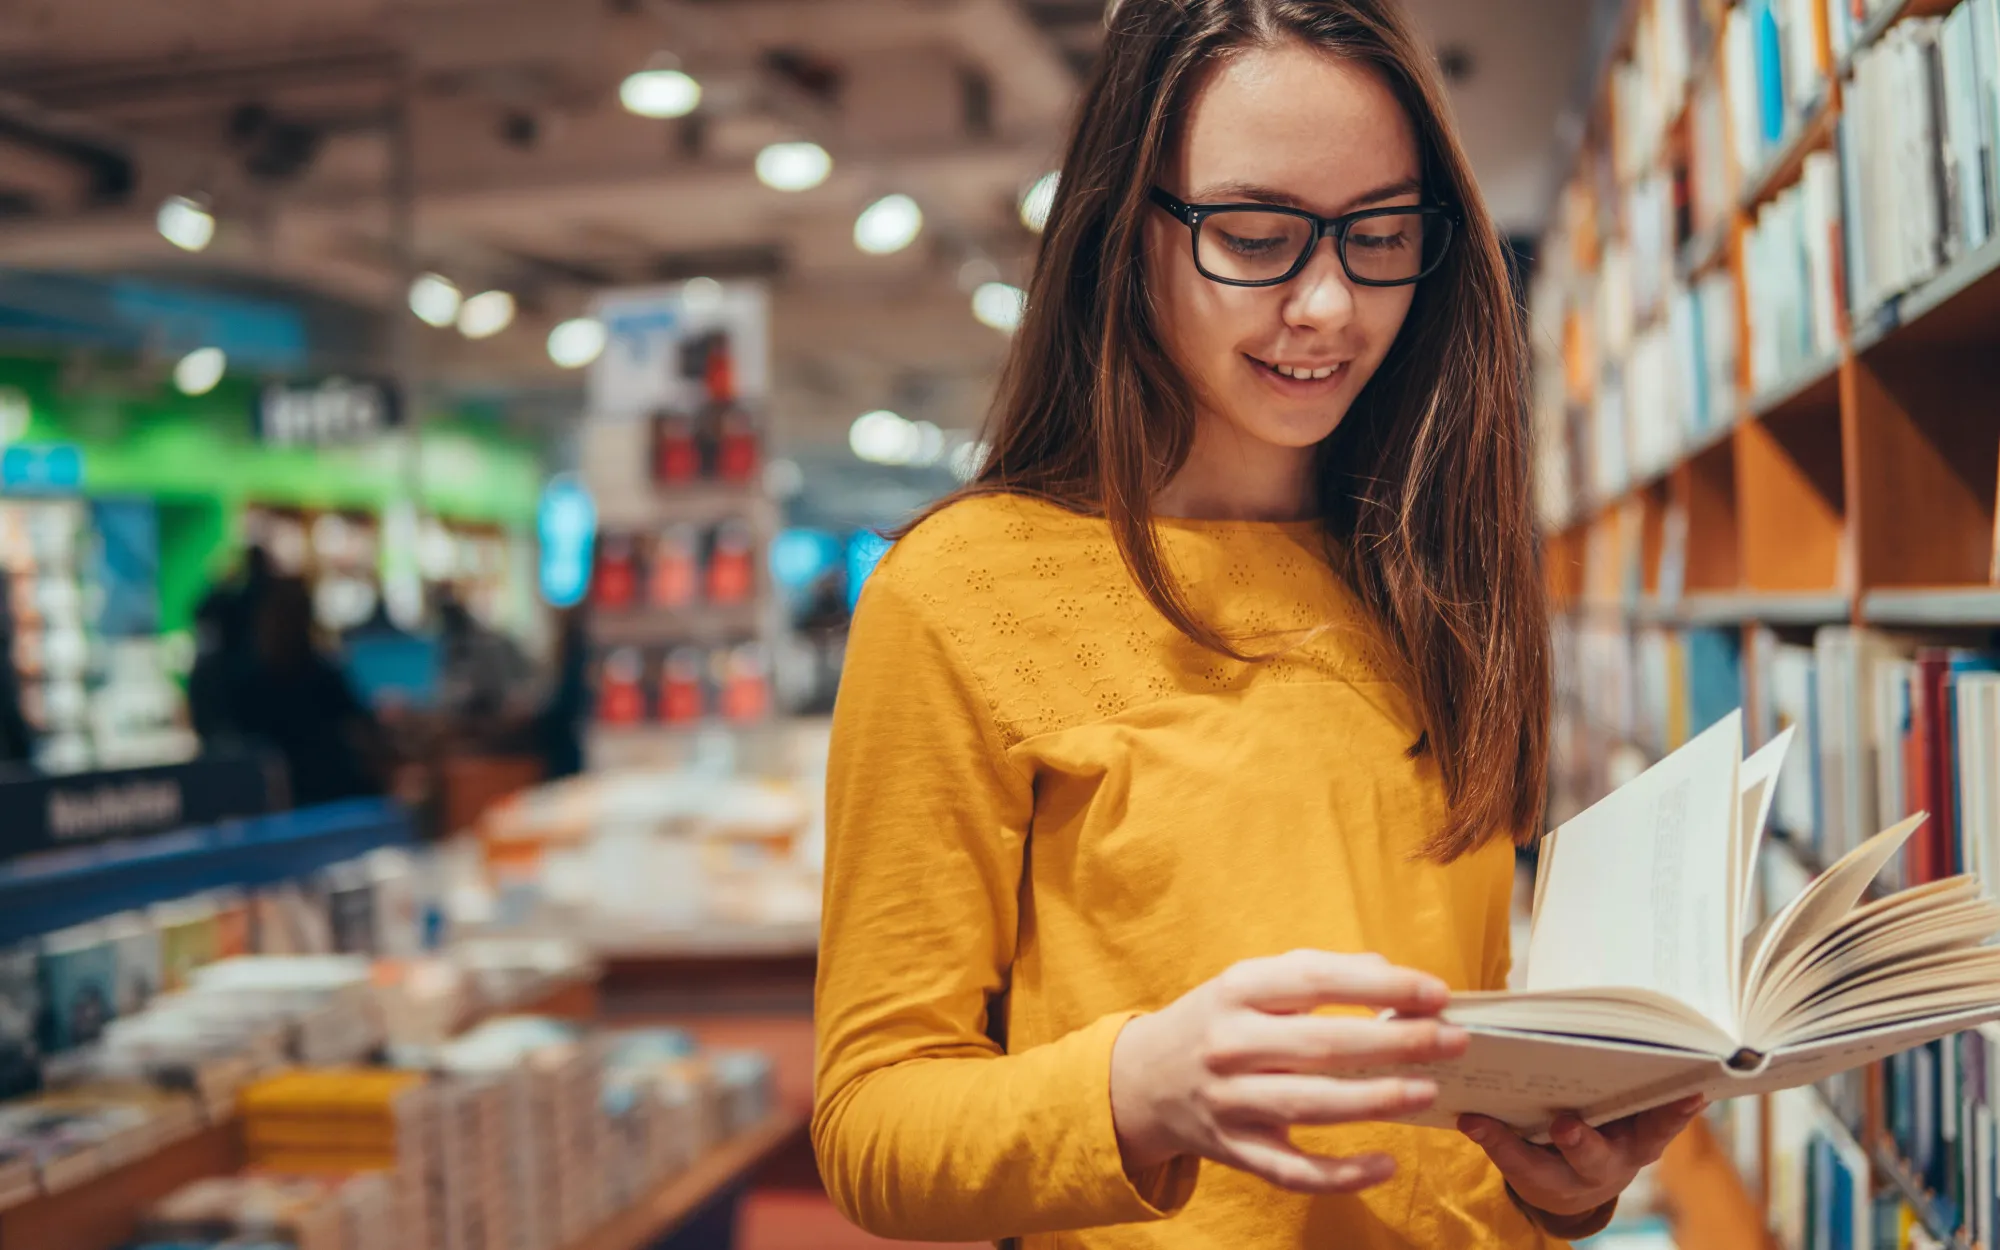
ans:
(39, 894)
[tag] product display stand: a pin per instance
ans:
(655, 1220)
(1805, 449)
(103, 1213)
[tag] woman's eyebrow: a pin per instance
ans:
(1236, 192)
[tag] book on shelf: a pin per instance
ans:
(1646, 982)
(1938, 1115)
(1792, 285)
(1923, 121)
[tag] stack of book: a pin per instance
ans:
(1922, 119)
(1774, 74)
(1791, 282)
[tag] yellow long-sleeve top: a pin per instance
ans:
(1049, 812)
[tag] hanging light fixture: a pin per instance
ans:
(1038, 200)
(185, 222)
(888, 225)
(486, 314)
(576, 342)
(794, 166)
(198, 372)
(661, 90)
(435, 300)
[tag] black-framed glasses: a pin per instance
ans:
(1265, 244)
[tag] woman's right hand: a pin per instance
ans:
(1226, 1070)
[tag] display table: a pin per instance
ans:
(717, 969)
(711, 1179)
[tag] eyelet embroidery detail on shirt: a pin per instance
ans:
(1046, 618)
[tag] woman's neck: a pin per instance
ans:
(1230, 476)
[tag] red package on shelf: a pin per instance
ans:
(621, 696)
(683, 700)
(676, 451)
(746, 690)
(719, 370)
(616, 585)
(731, 567)
(676, 570)
(737, 449)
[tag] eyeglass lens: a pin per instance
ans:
(1248, 245)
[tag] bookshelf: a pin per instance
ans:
(1815, 463)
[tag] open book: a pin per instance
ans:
(1646, 982)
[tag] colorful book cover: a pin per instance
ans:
(135, 940)
(79, 975)
(187, 942)
(232, 926)
(20, 1017)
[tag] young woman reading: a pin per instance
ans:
(1200, 728)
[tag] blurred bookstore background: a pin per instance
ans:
(441, 443)
(1767, 324)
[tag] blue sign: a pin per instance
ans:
(41, 469)
(799, 556)
(568, 527)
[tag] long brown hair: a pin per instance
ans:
(1425, 482)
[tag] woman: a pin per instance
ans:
(294, 700)
(1201, 728)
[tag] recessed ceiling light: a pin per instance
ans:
(795, 166)
(185, 222)
(999, 305)
(576, 342)
(198, 372)
(486, 314)
(434, 298)
(888, 225)
(660, 93)
(1039, 199)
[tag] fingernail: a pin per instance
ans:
(1436, 992)
(1451, 1037)
(1419, 1091)
(1569, 1134)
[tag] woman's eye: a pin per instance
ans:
(1380, 242)
(1252, 246)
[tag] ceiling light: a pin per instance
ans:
(799, 166)
(185, 222)
(577, 342)
(968, 458)
(435, 300)
(883, 437)
(198, 372)
(888, 225)
(660, 93)
(486, 314)
(1040, 198)
(999, 305)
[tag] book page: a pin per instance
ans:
(1826, 901)
(1758, 781)
(1639, 895)
(1525, 1082)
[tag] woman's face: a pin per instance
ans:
(1295, 127)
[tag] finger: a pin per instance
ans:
(1526, 1165)
(1273, 1158)
(1588, 1152)
(1305, 979)
(1256, 1041)
(1287, 1098)
(1652, 1131)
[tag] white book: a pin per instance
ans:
(1960, 88)
(1739, 62)
(1645, 982)
(1986, 55)
(1820, 211)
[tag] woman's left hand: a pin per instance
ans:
(1585, 1167)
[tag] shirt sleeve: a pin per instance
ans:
(924, 1128)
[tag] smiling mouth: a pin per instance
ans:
(1300, 374)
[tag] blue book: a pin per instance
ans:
(1714, 675)
(1769, 43)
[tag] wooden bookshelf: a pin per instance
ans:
(1858, 488)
